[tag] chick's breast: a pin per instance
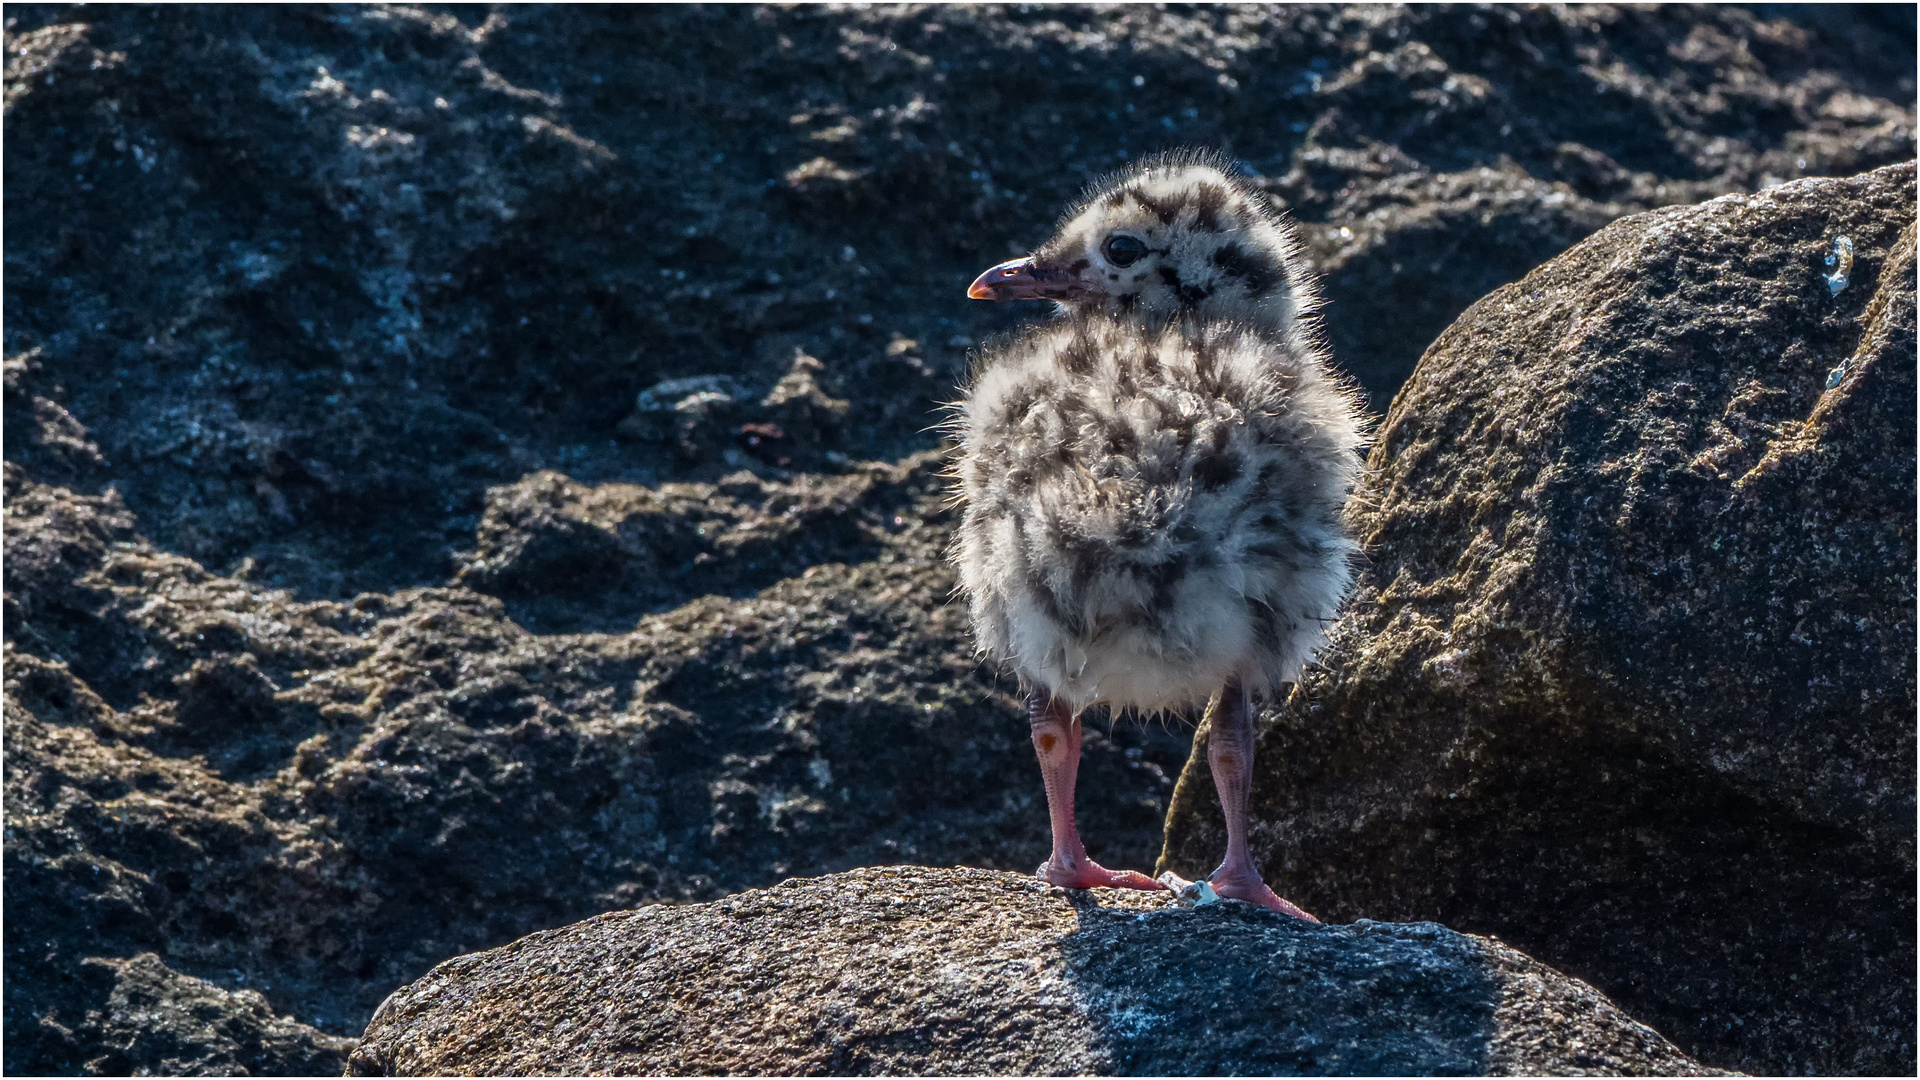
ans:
(1149, 513)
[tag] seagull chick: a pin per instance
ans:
(1153, 483)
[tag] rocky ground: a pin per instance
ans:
(468, 469)
(911, 971)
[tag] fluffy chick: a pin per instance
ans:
(1153, 483)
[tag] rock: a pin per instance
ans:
(704, 415)
(907, 970)
(158, 1022)
(800, 406)
(347, 628)
(468, 243)
(569, 556)
(51, 439)
(690, 413)
(310, 798)
(1629, 676)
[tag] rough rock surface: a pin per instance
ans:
(316, 279)
(462, 465)
(1629, 678)
(319, 800)
(159, 1022)
(905, 970)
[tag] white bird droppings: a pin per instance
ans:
(1189, 894)
(1841, 259)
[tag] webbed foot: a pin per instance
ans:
(1087, 874)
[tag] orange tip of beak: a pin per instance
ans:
(1011, 280)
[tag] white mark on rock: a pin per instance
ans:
(1189, 894)
(1841, 259)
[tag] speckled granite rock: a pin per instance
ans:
(907, 970)
(1629, 679)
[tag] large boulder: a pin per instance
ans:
(1629, 676)
(905, 971)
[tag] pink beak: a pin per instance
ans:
(1020, 279)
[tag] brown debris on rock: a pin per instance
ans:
(1629, 678)
(568, 556)
(907, 970)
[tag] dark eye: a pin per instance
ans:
(1123, 250)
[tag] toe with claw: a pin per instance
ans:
(1087, 874)
(1255, 891)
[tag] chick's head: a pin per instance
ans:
(1176, 236)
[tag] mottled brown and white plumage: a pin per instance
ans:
(1153, 482)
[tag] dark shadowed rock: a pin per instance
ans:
(906, 970)
(569, 556)
(158, 1022)
(1629, 679)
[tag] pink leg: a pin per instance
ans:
(1056, 739)
(1230, 753)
